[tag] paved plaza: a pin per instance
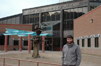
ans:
(48, 56)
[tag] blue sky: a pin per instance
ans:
(12, 7)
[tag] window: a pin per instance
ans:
(25, 42)
(72, 14)
(67, 14)
(78, 42)
(57, 15)
(56, 27)
(68, 25)
(80, 12)
(26, 19)
(75, 13)
(51, 16)
(85, 10)
(31, 18)
(96, 42)
(36, 18)
(44, 16)
(49, 28)
(83, 42)
(16, 42)
(71, 25)
(89, 42)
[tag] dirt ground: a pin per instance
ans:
(51, 57)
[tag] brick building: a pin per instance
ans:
(87, 31)
(13, 41)
(57, 19)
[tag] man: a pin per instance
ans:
(71, 53)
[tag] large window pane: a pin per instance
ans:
(85, 10)
(83, 42)
(26, 19)
(57, 15)
(78, 42)
(72, 14)
(75, 13)
(71, 25)
(89, 42)
(96, 42)
(36, 18)
(53, 17)
(31, 18)
(56, 27)
(44, 17)
(80, 10)
(66, 25)
(48, 17)
(67, 14)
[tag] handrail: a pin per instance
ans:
(4, 58)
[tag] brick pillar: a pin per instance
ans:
(43, 44)
(20, 44)
(29, 43)
(5, 45)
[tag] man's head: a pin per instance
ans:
(69, 39)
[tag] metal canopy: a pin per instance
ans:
(23, 33)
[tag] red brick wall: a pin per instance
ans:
(15, 26)
(83, 27)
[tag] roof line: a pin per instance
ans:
(90, 12)
(17, 24)
(50, 5)
(11, 16)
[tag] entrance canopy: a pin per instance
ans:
(22, 33)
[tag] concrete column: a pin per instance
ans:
(43, 44)
(40, 19)
(52, 44)
(29, 43)
(6, 41)
(20, 44)
(61, 29)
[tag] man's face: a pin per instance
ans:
(69, 40)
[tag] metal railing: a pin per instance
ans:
(38, 62)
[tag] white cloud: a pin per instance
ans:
(12, 7)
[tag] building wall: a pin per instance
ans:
(14, 19)
(84, 28)
(14, 26)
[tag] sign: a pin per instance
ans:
(55, 7)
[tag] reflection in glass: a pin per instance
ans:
(67, 14)
(34, 18)
(57, 15)
(71, 25)
(56, 27)
(47, 28)
(31, 18)
(80, 12)
(75, 13)
(85, 10)
(26, 19)
(51, 16)
(72, 14)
